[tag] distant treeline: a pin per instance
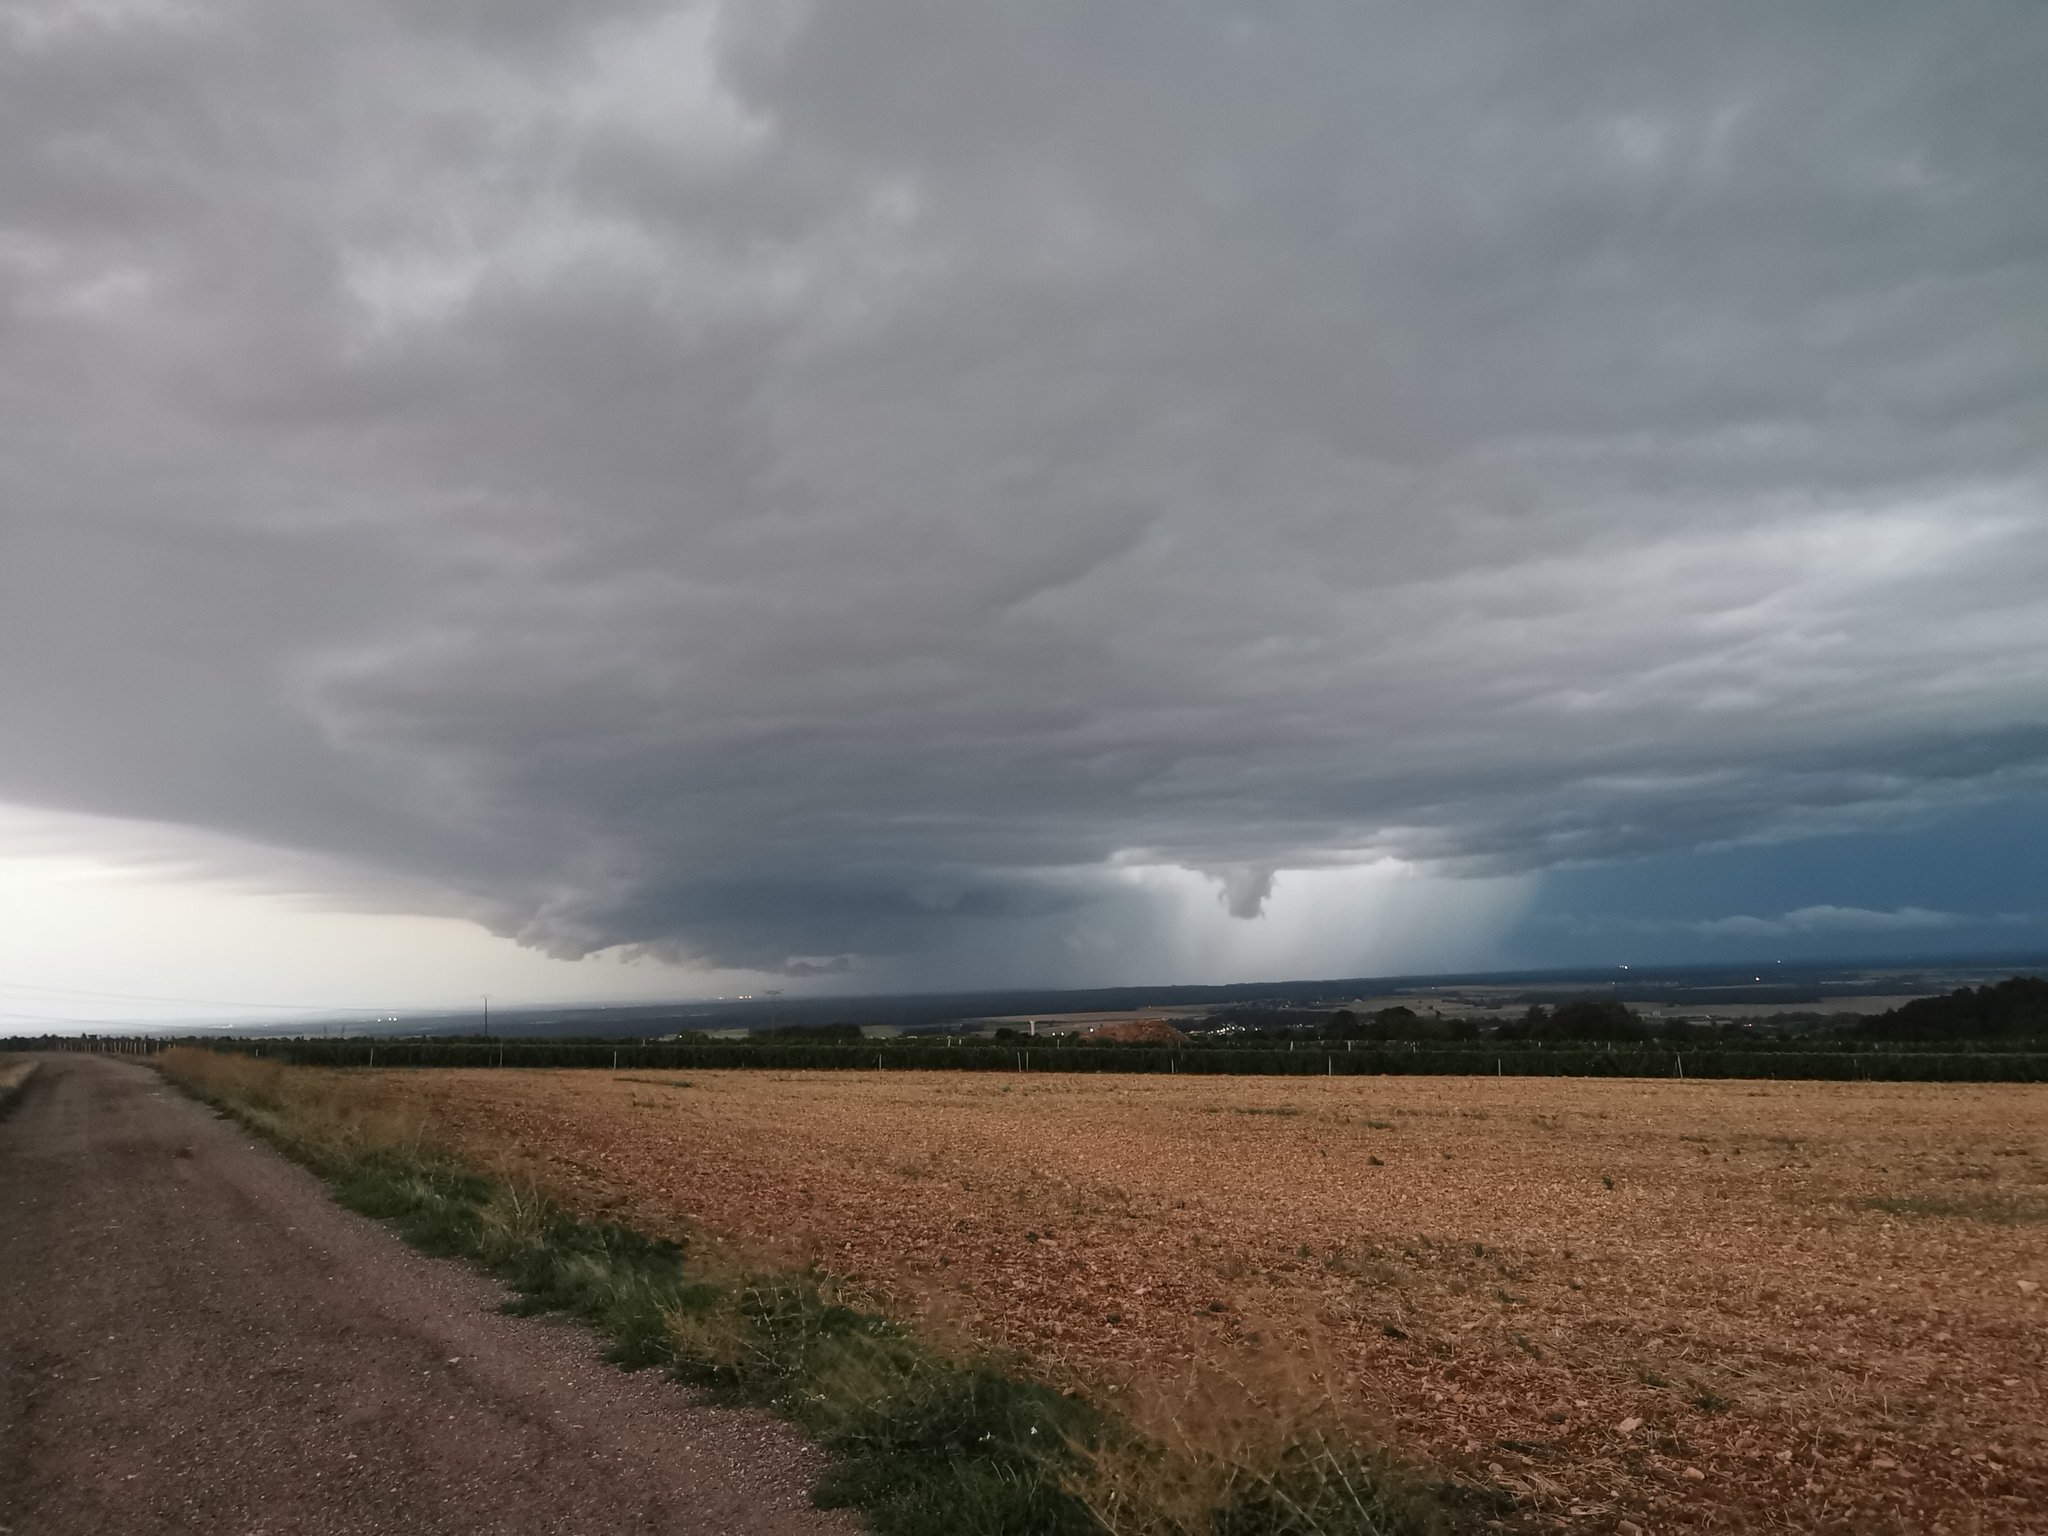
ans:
(2016, 1009)
(2011, 1013)
(1987, 1034)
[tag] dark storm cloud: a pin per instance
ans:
(806, 481)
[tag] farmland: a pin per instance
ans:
(1686, 1305)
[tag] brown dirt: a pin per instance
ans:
(196, 1339)
(1136, 1032)
(1797, 1307)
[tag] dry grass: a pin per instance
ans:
(1702, 1305)
(1258, 1429)
(14, 1076)
(338, 1116)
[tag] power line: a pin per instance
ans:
(48, 1018)
(202, 1002)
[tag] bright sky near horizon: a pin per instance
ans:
(664, 497)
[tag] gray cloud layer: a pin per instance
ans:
(796, 481)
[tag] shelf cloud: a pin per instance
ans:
(826, 488)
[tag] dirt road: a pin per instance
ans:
(195, 1339)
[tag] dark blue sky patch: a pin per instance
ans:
(1974, 882)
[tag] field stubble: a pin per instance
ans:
(1747, 1305)
(1708, 1305)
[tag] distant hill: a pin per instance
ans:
(2014, 1008)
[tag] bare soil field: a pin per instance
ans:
(1639, 1305)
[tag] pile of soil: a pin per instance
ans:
(1137, 1032)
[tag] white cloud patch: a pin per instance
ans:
(1829, 920)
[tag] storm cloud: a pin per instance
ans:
(807, 486)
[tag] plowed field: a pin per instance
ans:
(1742, 1306)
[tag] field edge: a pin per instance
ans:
(923, 1441)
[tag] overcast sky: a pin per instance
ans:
(886, 494)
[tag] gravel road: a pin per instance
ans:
(196, 1339)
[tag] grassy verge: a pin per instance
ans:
(924, 1442)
